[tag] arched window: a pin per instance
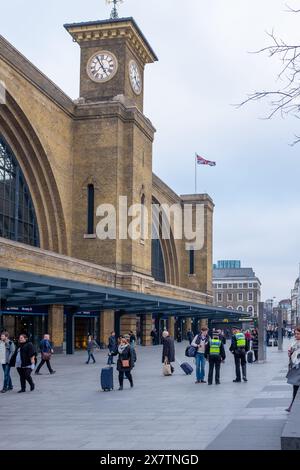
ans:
(158, 266)
(250, 309)
(90, 209)
(143, 200)
(240, 308)
(17, 215)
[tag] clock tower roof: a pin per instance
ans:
(113, 28)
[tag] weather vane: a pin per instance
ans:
(114, 13)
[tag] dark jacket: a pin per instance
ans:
(46, 346)
(112, 344)
(190, 336)
(222, 350)
(126, 355)
(27, 352)
(234, 349)
(255, 342)
(9, 350)
(168, 349)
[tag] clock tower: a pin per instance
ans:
(112, 143)
(114, 53)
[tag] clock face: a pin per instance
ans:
(102, 66)
(135, 77)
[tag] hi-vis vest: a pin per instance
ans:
(215, 347)
(240, 340)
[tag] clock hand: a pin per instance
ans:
(101, 65)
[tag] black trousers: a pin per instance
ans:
(240, 362)
(214, 362)
(255, 354)
(295, 391)
(43, 361)
(121, 377)
(25, 375)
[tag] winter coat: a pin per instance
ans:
(91, 345)
(125, 355)
(168, 349)
(112, 344)
(27, 352)
(255, 342)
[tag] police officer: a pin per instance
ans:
(239, 347)
(215, 353)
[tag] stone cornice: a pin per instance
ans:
(124, 28)
(164, 189)
(113, 109)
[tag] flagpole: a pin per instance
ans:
(195, 173)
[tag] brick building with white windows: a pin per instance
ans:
(235, 287)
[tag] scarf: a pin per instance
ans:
(122, 348)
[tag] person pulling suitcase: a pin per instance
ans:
(215, 353)
(125, 362)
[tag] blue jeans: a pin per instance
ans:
(200, 366)
(7, 384)
(90, 356)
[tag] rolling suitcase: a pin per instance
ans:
(250, 357)
(107, 380)
(187, 368)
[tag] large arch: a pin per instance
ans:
(28, 150)
(169, 254)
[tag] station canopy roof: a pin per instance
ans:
(18, 288)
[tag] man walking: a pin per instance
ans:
(46, 354)
(239, 347)
(215, 353)
(7, 349)
(168, 354)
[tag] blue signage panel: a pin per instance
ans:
(25, 311)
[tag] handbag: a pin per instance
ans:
(191, 351)
(125, 363)
(46, 356)
(293, 376)
(167, 369)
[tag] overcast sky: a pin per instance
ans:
(204, 68)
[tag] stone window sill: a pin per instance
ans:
(91, 236)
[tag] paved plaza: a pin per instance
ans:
(68, 410)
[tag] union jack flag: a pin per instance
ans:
(202, 161)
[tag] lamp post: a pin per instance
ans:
(280, 326)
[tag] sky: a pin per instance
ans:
(206, 67)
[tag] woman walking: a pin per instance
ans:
(293, 375)
(91, 345)
(254, 338)
(125, 362)
(23, 360)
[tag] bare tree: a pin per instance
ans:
(286, 99)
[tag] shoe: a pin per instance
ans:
(131, 385)
(21, 391)
(32, 387)
(288, 409)
(86, 362)
(4, 390)
(209, 383)
(218, 383)
(120, 388)
(203, 381)
(10, 389)
(53, 372)
(245, 379)
(198, 382)
(236, 381)
(37, 373)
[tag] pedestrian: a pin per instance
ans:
(8, 348)
(293, 375)
(239, 347)
(215, 353)
(190, 336)
(168, 353)
(46, 349)
(254, 338)
(154, 337)
(91, 345)
(200, 341)
(23, 360)
(125, 362)
(112, 348)
(132, 339)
